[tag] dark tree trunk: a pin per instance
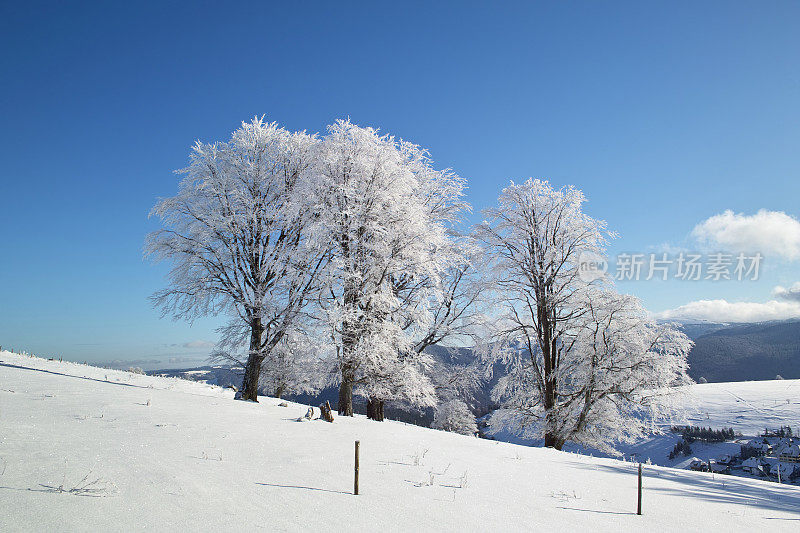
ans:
(551, 441)
(548, 345)
(375, 409)
(349, 339)
(252, 369)
(279, 392)
(551, 438)
(345, 405)
(251, 374)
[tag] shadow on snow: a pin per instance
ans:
(718, 488)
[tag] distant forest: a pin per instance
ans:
(745, 352)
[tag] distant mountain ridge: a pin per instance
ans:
(722, 352)
(744, 352)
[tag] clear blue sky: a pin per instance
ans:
(664, 113)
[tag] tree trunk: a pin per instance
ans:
(370, 409)
(548, 346)
(551, 438)
(345, 405)
(349, 340)
(279, 392)
(551, 441)
(252, 369)
(375, 409)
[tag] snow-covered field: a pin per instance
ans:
(88, 449)
(749, 407)
(746, 406)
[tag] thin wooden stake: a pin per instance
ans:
(639, 499)
(355, 480)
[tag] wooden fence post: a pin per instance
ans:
(639, 499)
(355, 480)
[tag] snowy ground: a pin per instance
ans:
(83, 448)
(746, 406)
(749, 407)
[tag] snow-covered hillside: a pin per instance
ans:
(83, 448)
(749, 407)
(746, 406)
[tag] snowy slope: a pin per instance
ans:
(196, 459)
(746, 406)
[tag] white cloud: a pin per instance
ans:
(174, 360)
(667, 248)
(126, 363)
(725, 311)
(198, 344)
(768, 232)
(792, 294)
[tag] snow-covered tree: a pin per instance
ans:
(292, 366)
(459, 312)
(455, 416)
(457, 319)
(563, 383)
(621, 376)
(534, 239)
(386, 215)
(235, 235)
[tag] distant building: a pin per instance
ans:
(787, 470)
(755, 466)
(790, 453)
(698, 465)
(756, 447)
(718, 468)
(725, 459)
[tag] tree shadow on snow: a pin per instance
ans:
(697, 485)
(387, 463)
(9, 365)
(301, 487)
(594, 511)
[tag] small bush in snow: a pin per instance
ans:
(85, 487)
(455, 416)
(419, 456)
